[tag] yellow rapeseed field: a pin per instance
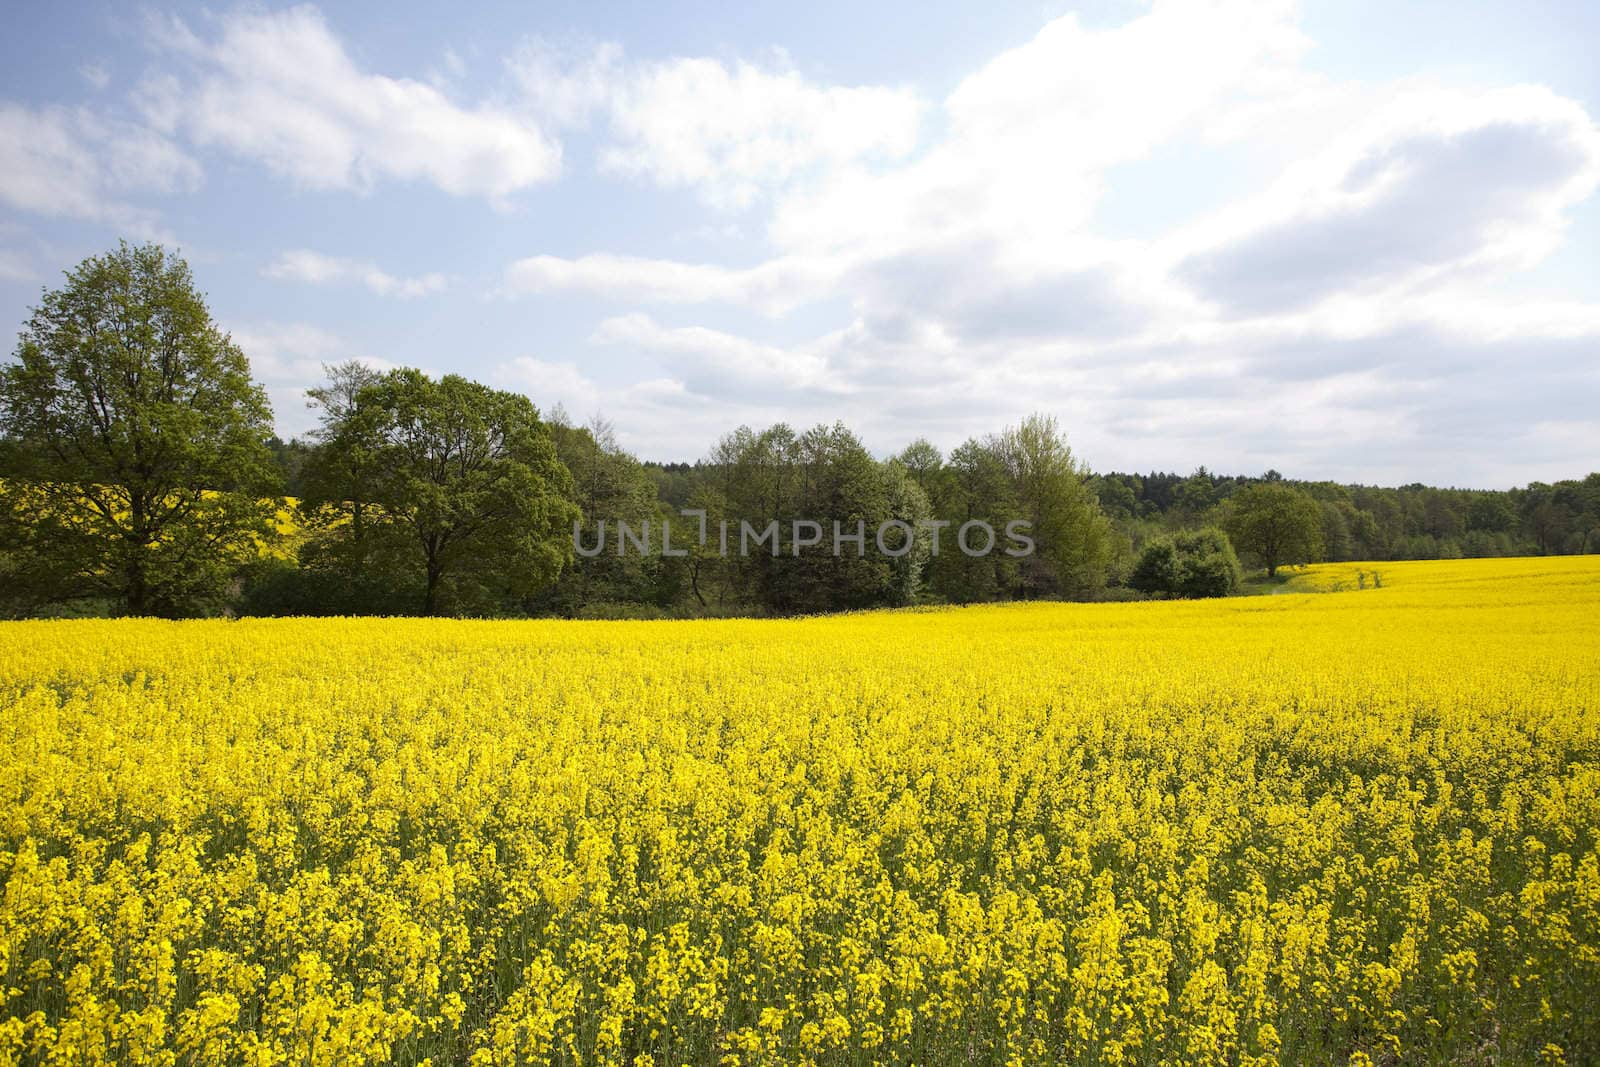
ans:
(1355, 826)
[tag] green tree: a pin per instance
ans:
(977, 487)
(1052, 492)
(610, 488)
(1546, 517)
(137, 438)
(1117, 495)
(907, 503)
(922, 459)
(806, 489)
(341, 474)
(1190, 563)
(838, 482)
(1196, 494)
(1275, 525)
(756, 477)
(342, 569)
(1491, 513)
(1589, 518)
(466, 481)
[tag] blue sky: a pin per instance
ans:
(1348, 240)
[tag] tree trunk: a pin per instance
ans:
(694, 582)
(430, 600)
(137, 594)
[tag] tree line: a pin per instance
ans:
(139, 475)
(1363, 522)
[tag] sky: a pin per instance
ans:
(1349, 240)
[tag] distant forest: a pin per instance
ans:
(783, 473)
(139, 475)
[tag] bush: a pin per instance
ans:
(1190, 563)
(1121, 594)
(279, 587)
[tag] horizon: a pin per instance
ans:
(1343, 242)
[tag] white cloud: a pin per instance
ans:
(1030, 134)
(1415, 395)
(711, 361)
(565, 86)
(646, 412)
(304, 265)
(733, 131)
(730, 131)
(1439, 183)
(1348, 319)
(551, 384)
(73, 163)
(1004, 197)
(279, 88)
(774, 286)
(1346, 301)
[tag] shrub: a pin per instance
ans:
(1190, 563)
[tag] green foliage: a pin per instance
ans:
(1372, 523)
(136, 468)
(836, 482)
(823, 476)
(1027, 474)
(610, 487)
(1052, 492)
(138, 475)
(1191, 563)
(973, 486)
(448, 484)
(1275, 525)
(908, 504)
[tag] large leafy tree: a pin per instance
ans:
(461, 488)
(840, 483)
(611, 487)
(1053, 493)
(908, 503)
(135, 441)
(341, 472)
(973, 486)
(1275, 524)
(345, 565)
(813, 484)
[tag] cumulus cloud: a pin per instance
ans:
(553, 384)
(732, 131)
(990, 222)
(1443, 183)
(73, 163)
(1335, 293)
(1031, 133)
(1346, 318)
(979, 289)
(96, 75)
(712, 361)
(565, 85)
(280, 89)
(304, 265)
